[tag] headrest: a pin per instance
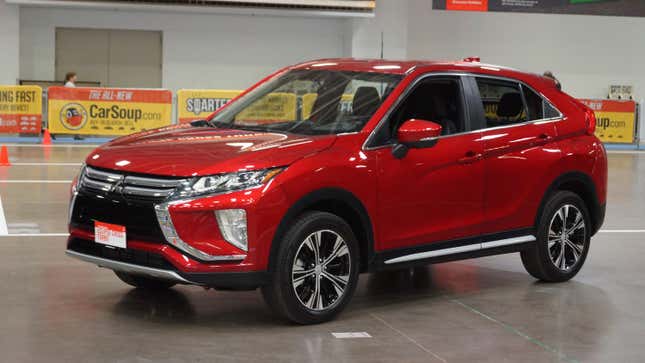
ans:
(366, 101)
(510, 105)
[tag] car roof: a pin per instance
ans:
(404, 67)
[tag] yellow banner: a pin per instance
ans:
(197, 104)
(21, 109)
(615, 120)
(615, 127)
(107, 111)
(276, 106)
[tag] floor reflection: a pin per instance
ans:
(169, 304)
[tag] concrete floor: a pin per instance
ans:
(56, 309)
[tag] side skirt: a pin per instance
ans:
(437, 252)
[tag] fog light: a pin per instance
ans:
(232, 224)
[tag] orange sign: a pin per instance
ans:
(21, 109)
(467, 5)
(107, 111)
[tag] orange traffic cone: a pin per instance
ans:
(4, 157)
(47, 138)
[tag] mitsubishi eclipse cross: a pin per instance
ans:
(331, 168)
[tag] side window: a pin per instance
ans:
(550, 111)
(502, 101)
(434, 99)
(538, 107)
(534, 104)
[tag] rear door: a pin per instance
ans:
(519, 154)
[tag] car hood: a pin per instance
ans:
(184, 150)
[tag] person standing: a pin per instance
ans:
(70, 79)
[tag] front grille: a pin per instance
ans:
(124, 199)
(139, 218)
(135, 187)
(135, 257)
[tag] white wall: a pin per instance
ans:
(391, 19)
(587, 53)
(199, 51)
(9, 43)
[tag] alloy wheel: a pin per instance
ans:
(567, 236)
(321, 270)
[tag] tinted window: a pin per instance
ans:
(534, 104)
(538, 107)
(312, 102)
(436, 100)
(502, 101)
(550, 111)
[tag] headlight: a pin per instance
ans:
(230, 182)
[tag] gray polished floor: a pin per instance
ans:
(55, 309)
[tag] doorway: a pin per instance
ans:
(115, 58)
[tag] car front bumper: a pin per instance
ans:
(154, 264)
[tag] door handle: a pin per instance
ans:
(470, 157)
(545, 137)
(542, 139)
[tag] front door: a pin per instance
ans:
(434, 193)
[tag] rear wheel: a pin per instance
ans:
(316, 269)
(143, 282)
(564, 233)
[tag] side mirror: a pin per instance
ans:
(415, 130)
(415, 133)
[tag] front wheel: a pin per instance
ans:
(316, 269)
(563, 236)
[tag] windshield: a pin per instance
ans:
(312, 102)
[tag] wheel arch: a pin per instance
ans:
(336, 201)
(581, 184)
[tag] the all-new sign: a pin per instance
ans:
(107, 111)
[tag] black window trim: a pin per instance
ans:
(473, 79)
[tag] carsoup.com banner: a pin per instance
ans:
(196, 104)
(589, 7)
(615, 120)
(21, 109)
(107, 111)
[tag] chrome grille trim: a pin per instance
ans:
(151, 182)
(97, 185)
(147, 192)
(102, 175)
(129, 186)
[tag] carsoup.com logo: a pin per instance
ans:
(73, 116)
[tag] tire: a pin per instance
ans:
(297, 277)
(143, 282)
(545, 261)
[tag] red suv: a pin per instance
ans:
(335, 167)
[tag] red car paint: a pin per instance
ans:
(477, 183)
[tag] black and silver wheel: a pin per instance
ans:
(563, 239)
(316, 268)
(143, 282)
